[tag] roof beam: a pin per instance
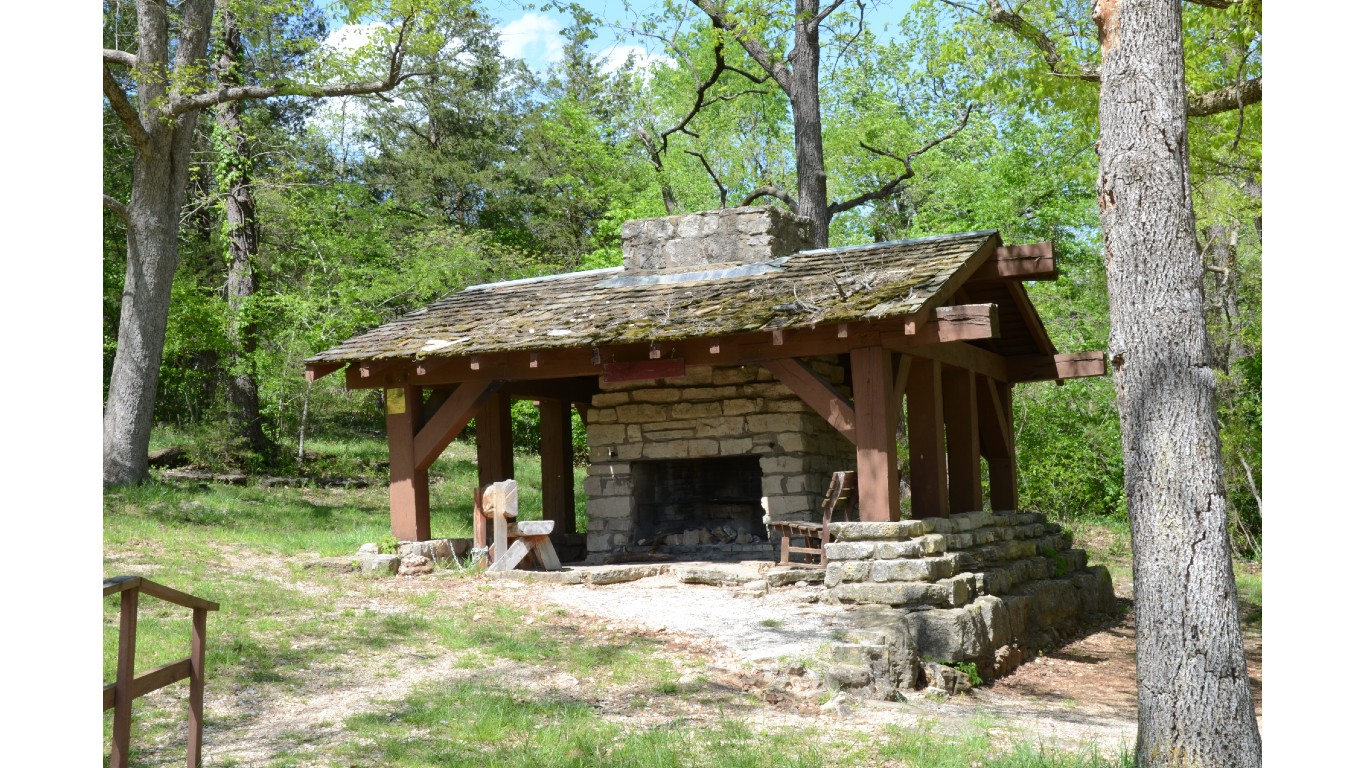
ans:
(1032, 261)
(943, 325)
(961, 322)
(1031, 318)
(964, 355)
(449, 419)
(315, 371)
(1056, 367)
(817, 392)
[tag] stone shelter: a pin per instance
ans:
(725, 368)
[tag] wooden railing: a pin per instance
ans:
(119, 695)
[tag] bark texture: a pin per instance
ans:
(1195, 705)
(239, 210)
(161, 168)
(805, 96)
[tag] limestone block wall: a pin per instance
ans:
(976, 587)
(709, 413)
(747, 234)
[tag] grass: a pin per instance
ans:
(290, 628)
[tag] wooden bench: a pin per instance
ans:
(511, 545)
(814, 536)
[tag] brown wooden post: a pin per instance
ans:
(410, 516)
(198, 633)
(1003, 471)
(123, 691)
(557, 465)
(493, 439)
(875, 435)
(925, 438)
(965, 455)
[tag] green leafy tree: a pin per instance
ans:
(157, 82)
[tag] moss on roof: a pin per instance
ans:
(601, 308)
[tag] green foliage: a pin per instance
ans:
(970, 669)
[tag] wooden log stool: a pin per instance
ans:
(511, 545)
(814, 536)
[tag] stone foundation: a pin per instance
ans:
(971, 588)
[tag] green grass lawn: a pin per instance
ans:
(290, 626)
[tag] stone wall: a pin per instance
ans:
(982, 588)
(731, 235)
(708, 413)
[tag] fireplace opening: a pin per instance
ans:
(698, 502)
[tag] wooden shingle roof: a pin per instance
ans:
(607, 307)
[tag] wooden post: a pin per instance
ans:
(198, 633)
(875, 436)
(557, 464)
(925, 437)
(410, 516)
(493, 439)
(1001, 467)
(123, 691)
(965, 455)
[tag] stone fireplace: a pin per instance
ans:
(679, 466)
(682, 465)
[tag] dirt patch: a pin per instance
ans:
(735, 656)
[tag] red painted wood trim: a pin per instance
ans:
(644, 369)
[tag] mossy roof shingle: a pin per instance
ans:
(605, 307)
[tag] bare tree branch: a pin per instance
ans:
(750, 42)
(719, 186)
(1031, 34)
(1225, 99)
(116, 206)
(771, 191)
(118, 100)
(121, 58)
(826, 11)
(891, 186)
(395, 77)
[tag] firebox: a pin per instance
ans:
(684, 466)
(700, 501)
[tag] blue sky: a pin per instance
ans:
(531, 33)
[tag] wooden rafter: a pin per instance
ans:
(1031, 319)
(451, 417)
(1032, 261)
(1056, 367)
(814, 390)
(945, 324)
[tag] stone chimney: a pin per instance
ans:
(731, 235)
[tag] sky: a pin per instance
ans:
(532, 32)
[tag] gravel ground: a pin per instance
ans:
(785, 623)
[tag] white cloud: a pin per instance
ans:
(615, 58)
(349, 37)
(533, 38)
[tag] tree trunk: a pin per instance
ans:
(153, 225)
(806, 122)
(241, 232)
(161, 169)
(1195, 705)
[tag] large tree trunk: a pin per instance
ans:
(806, 122)
(153, 224)
(241, 232)
(161, 168)
(1195, 705)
